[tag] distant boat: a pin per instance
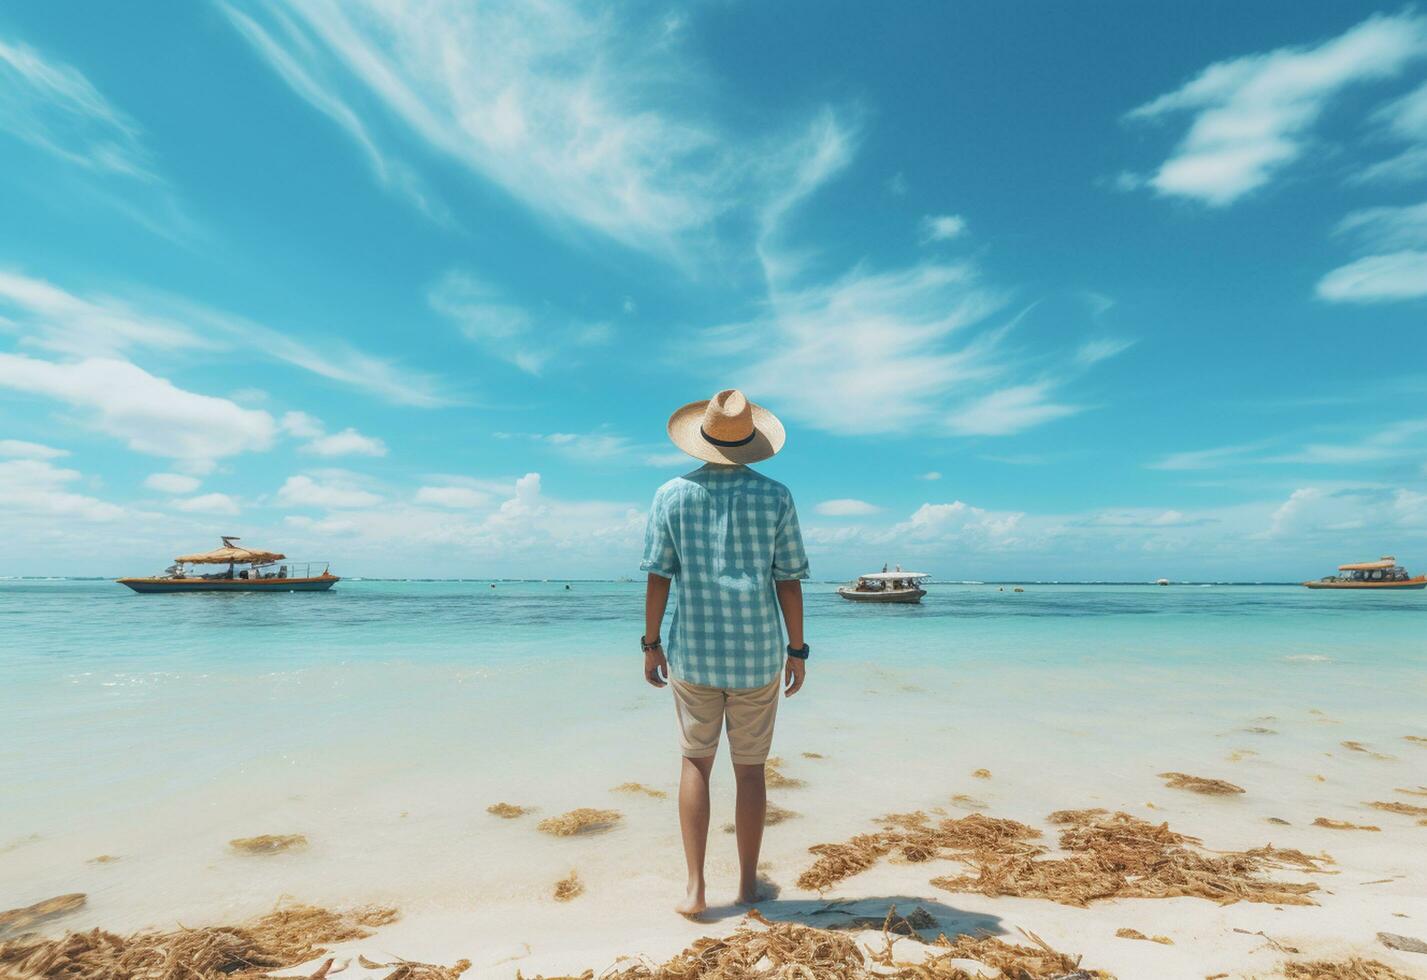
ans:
(885, 586)
(1161, 581)
(266, 571)
(1385, 573)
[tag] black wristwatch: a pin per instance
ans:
(648, 645)
(800, 652)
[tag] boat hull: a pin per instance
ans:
(900, 595)
(1420, 582)
(320, 583)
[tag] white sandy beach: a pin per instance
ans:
(386, 827)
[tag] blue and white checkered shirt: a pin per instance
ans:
(726, 534)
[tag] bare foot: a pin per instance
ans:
(693, 903)
(762, 890)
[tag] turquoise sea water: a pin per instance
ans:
(381, 718)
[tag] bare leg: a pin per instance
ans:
(694, 822)
(748, 814)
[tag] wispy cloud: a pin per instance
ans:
(507, 330)
(29, 450)
(1377, 279)
(1387, 228)
(51, 105)
(603, 446)
(1402, 121)
(587, 116)
(1253, 115)
(1204, 459)
(942, 227)
(52, 318)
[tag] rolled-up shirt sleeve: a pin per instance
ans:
(660, 555)
(790, 561)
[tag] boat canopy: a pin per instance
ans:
(892, 576)
(231, 554)
(1387, 561)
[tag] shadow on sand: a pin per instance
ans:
(865, 913)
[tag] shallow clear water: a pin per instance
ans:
(381, 718)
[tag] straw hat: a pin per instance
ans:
(727, 428)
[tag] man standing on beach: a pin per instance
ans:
(729, 536)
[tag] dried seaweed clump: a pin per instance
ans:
(279, 940)
(981, 774)
(774, 778)
(1418, 739)
(1108, 856)
(1120, 856)
(1342, 825)
(1352, 746)
(649, 791)
(1393, 806)
(582, 820)
(1353, 969)
(1128, 933)
(569, 887)
(24, 919)
(760, 949)
(411, 970)
(772, 814)
(507, 811)
(1199, 784)
(268, 843)
(914, 837)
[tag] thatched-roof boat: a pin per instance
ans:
(266, 571)
(1385, 573)
(885, 586)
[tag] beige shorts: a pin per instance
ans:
(748, 712)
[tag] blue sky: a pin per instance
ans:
(1038, 291)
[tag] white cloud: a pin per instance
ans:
(208, 503)
(332, 491)
(1314, 513)
(462, 498)
(150, 414)
(302, 425)
(846, 507)
(1403, 120)
(1009, 410)
(931, 475)
(54, 319)
(872, 351)
(29, 450)
(52, 105)
(565, 110)
(172, 482)
(942, 227)
(1253, 115)
(1377, 279)
(1101, 349)
(38, 488)
(1202, 459)
(1387, 228)
(348, 442)
(488, 318)
(61, 321)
